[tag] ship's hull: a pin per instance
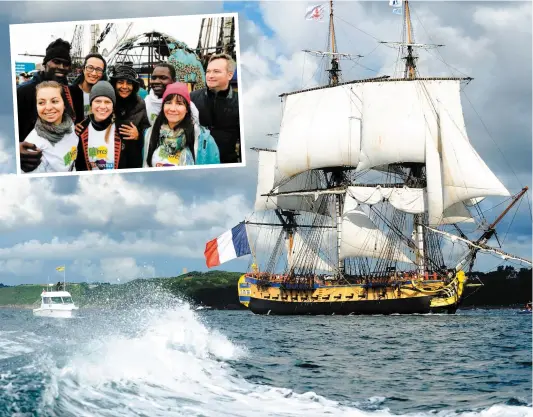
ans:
(55, 313)
(413, 305)
(407, 297)
(451, 309)
(288, 299)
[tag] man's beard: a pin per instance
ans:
(50, 75)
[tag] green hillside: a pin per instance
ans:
(216, 289)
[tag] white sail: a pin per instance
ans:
(366, 195)
(457, 213)
(464, 174)
(408, 200)
(362, 238)
(434, 181)
(350, 203)
(265, 185)
(319, 128)
(473, 201)
(303, 256)
(397, 118)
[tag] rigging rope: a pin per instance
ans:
(512, 220)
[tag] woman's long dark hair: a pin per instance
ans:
(187, 124)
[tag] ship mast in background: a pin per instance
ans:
(217, 35)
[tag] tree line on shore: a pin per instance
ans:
(218, 290)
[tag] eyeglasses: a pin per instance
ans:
(90, 68)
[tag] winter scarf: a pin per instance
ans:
(173, 144)
(52, 132)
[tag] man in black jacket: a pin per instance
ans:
(56, 63)
(218, 105)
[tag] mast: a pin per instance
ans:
(337, 176)
(416, 172)
(334, 70)
(410, 66)
(95, 30)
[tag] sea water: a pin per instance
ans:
(167, 359)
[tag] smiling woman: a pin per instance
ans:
(177, 138)
(99, 139)
(53, 133)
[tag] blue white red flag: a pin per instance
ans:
(229, 245)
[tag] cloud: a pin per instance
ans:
(97, 245)
(6, 159)
(21, 267)
(112, 202)
(119, 269)
(109, 222)
(42, 12)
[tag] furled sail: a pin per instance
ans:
(320, 128)
(303, 256)
(408, 200)
(362, 238)
(265, 185)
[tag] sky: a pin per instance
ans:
(131, 225)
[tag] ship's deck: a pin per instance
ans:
(315, 285)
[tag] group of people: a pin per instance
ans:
(101, 121)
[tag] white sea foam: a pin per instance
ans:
(14, 343)
(176, 366)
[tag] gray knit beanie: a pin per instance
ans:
(103, 88)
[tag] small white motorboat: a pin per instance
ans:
(57, 304)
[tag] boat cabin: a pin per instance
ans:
(56, 297)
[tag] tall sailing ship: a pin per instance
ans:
(371, 181)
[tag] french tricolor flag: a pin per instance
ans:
(227, 246)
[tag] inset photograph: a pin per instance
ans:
(130, 95)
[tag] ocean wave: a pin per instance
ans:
(15, 343)
(173, 364)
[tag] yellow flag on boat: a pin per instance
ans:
(60, 268)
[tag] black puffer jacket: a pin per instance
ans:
(219, 112)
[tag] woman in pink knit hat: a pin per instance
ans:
(176, 138)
